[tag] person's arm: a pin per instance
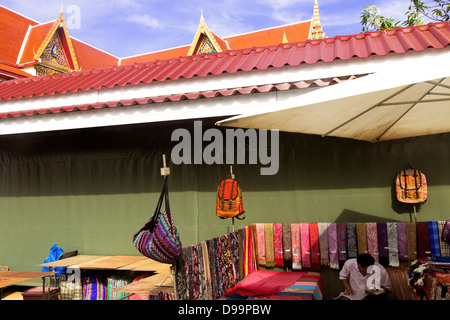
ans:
(348, 289)
(344, 274)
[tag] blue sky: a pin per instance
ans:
(130, 27)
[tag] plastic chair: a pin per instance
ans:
(64, 255)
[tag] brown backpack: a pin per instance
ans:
(229, 202)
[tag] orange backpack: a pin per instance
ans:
(229, 202)
(411, 186)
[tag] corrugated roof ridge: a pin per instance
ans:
(165, 69)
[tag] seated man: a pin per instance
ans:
(354, 278)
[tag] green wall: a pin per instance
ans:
(91, 189)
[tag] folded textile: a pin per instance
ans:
(411, 234)
(392, 244)
(323, 244)
(307, 287)
(305, 245)
(263, 283)
(352, 248)
(278, 244)
(287, 245)
(435, 246)
(315, 248)
(333, 245)
(269, 245)
(207, 271)
(445, 246)
(423, 240)
(382, 239)
(372, 240)
(361, 237)
(260, 243)
(296, 249)
(342, 240)
(402, 241)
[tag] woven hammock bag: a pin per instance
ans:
(159, 239)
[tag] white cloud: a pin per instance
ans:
(143, 19)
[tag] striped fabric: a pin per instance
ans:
(260, 242)
(372, 240)
(305, 245)
(315, 248)
(352, 248)
(402, 241)
(93, 288)
(411, 234)
(296, 249)
(342, 240)
(423, 240)
(278, 244)
(323, 244)
(435, 246)
(445, 246)
(392, 244)
(361, 237)
(114, 282)
(333, 245)
(269, 245)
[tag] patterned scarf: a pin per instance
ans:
(352, 249)
(445, 246)
(435, 245)
(372, 240)
(402, 241)
(278, 244)
(423, 240)
(342, 240)
(269, 245)
(361, 236)
(260, 242)
(296, 248)
(392, 244)
(201, 274)
(287, 245)
(305, 245)
(333, 245)
(323, 244)
(219, 267)
(411, 234)
(235, 254)
(212, 267)
(207, 271)
(382, 239)
(315, 249)
(195, 280)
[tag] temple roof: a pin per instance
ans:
(24, 41)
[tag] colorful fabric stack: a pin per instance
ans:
(312, 245)
(116, 281)
(94, 288)
(206, 270)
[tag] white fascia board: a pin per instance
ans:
(154, 112)
(319, 70)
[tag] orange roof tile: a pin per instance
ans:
(157, 55)
(13, 71)
(13, 28)
(89, 57)
(272, 36)
(35, 37)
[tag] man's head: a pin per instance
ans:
(364, 260)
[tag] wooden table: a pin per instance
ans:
(130, 263)
(159, 281)
(9, 278)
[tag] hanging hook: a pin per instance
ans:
(165, 171)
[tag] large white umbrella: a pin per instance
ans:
(398, 103)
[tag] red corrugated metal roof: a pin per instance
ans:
(399, 40)
(179, 97)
